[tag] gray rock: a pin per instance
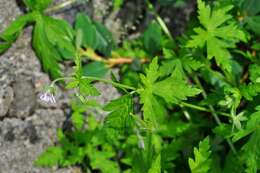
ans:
(24, 99)
(27, 126)
(6, 98)
(22, 141)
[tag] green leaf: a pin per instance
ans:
(61, 36)
(183, 62)
(11, 33)
(72, 84)
(218, 33)
(51, 157)
(251, 7)
(101, 160)
(152, 38)
(251, 90)
(89, 37)
(156, 165)
(78, 120)
(39, 5)
(172, 89)
(105, 42)
(254, 24)
(254, 73)
(48, 55)
(202, 161)
(251, 152)
(252, 124)
(95, 35)
(120, 110)
(87, 89)
(95, 69)
(117, 3)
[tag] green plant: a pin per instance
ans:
(175, 91)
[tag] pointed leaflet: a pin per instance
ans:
(60, 35)
(86, 88)
(152, 38)
(39, 5)
(251, 150)
(216, 34)
(183, 62)
(156, 165)
(89, 38)
(51, 157)
(120, 108)
(44, 49)
(105, 42)
(13, 31)
(202, 161)
(171, 90)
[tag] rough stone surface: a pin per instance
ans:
(24, 100)
(27, 125)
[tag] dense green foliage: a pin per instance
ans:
(188, 104)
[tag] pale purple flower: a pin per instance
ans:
(48, 97)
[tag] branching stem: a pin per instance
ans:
(97, 79)
(213, 112)
(200, 108)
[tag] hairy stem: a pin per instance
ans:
(110, 82)
(200, 108)
(213, 112)
(159, 19)
(97, 79)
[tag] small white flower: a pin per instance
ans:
(141, 143)
(48, 97)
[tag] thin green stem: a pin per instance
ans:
(97, 79)
(213, 112)
(200, 108)
(159, 19)
(110, 82)
(60, 6)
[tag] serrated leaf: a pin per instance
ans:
(48, 55)
(152, 38)
(52, 156)
(105, 41)
(100, 160)
(156, 165)
(37, 4)
(61, 36)
(216, 34)
(11, 33)
(72, 84)
(78, 120)
(250, 7)
(89, 37)
(254, 24)
(87, 89)
(254, 73)
(252, 124)
(251, 90)
(251, 152)
(171, 89)
(95, 69)
(202, 161)
(120, 110)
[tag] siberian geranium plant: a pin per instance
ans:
(188, 103)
